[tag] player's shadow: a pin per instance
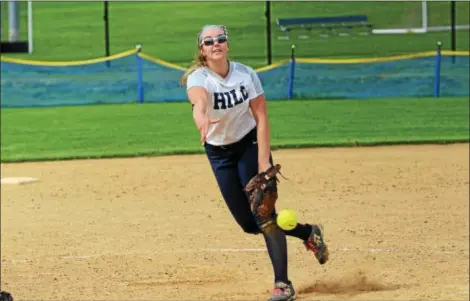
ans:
(351, 285)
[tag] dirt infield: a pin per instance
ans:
(396, 220)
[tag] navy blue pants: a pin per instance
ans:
(233, 166)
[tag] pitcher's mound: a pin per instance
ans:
(18, 180)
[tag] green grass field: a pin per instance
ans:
(159, 129)
(73, 31)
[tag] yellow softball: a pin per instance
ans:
(287, 219)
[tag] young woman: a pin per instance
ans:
(229, 110)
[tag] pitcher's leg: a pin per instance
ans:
(310, 234)
(226, 173)
(301, 231)
(235, 199)
(248, 168)
(275, 240)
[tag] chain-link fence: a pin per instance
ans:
(167, 30)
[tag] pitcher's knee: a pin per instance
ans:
(250, 227)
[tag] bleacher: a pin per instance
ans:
(325, 26)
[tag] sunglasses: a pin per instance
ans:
(209, 41)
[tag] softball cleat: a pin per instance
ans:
(316, 244)
(283, 292)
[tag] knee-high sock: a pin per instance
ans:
(300, 231)
(277, 247)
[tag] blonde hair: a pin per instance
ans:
(199, 59)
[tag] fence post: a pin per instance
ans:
(140, 76)
(290, 90)
(437, 71)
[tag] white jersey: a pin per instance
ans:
(229, 100)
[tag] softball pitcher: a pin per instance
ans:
(229, 110)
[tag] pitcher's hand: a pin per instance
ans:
(203, 123)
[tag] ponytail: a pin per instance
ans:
(199, 61)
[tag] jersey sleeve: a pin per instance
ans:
(256, 87)
(196, 79)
